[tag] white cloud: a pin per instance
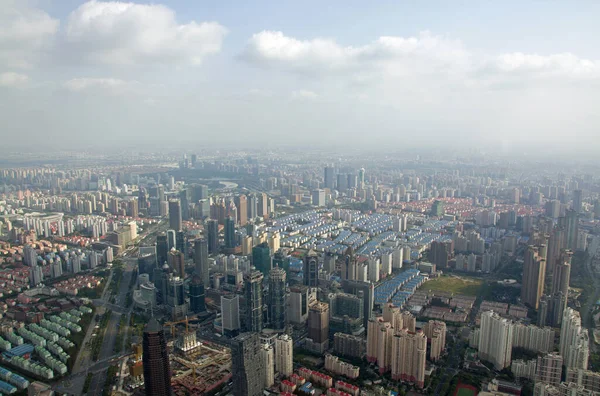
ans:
(407, 57)
(126, 33)
(304, 94)
(109, 85)
(25, 33)
(12, 79)
(274, 49)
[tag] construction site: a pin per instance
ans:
(197, 367)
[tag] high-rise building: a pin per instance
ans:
(349, 345)
(155, 359)
(176, 261)
(562, 273)
(349, 265)
(267, 357)
(495, 340)
(435, 331)
(213, 236)
(184, 198)
(175, 297)
(261, 258)
(318, 326)
(284, 355)
(230, 241)
(180, 242)
(572, 229)
(230, 312)
(437, 209)
(549, 368)
(298, 302)
(441, 253)
(346, 313)
(247, 365)
(574, 341)
(318, 197)
(556, 243)
(368, 295)
(201, 261)
(172, 239)
(577, 201)
(253, 292)
(162, 249)
(361, 178)
(30, 255)
(408, 356)
(175, 219)
(197, 304)
(36, 276)
(329, 178)
(534, 272)
(242, 209)
(311, 269)
(277, 298)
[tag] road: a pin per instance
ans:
(112, 329)
(587, 308)
(451, 368)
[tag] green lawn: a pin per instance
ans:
(465, 392)
(456, 285)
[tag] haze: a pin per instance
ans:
(500, 76)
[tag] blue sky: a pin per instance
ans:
(462, 73)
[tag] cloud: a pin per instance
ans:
(12, 79)
(26, 33)
(127, 33)
(304, 94)
(108, 85)
(406, 57)
(274, 49)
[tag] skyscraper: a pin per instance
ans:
(556, 243)
(267, 357)
(175, 214)
(213, 236)
(197, 304)
(318, 326)
(177, 262)
(246, 365)
(242, 209)
(261, 258)
(284, 355)
(184, 197)
(229, 233)
(329, 178)
(230, 312)
(254, 301)
(574, 341)
(277, 298)
(155, 359)
(577, 201)
(172, 239)
(549, 368)
(441, 253)
(495, 340)
(311, 269)
(318, 197)
(572, 229)
(162, 249)
(201, 261)
(534, 272)
(408, 356)
(562, 273)
(435, 331)
(349, 265)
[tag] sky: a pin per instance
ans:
(510, 76)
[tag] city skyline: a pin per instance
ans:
(410, 75)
